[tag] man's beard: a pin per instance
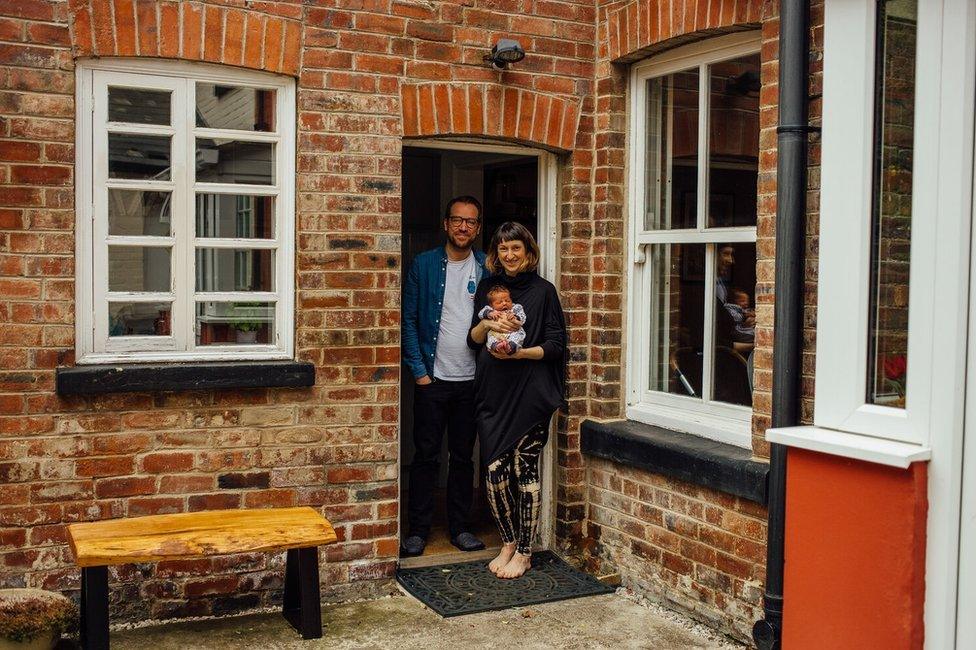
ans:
(463, 247)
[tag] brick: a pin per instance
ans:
(254, 40)
(192, 32)
(233, 48)
(163, 462)
(40, 175)
(243, 480)
(291, 48)
(44, 34)
(214, 502)
(213, 33)
(169, 29)
(148, 32)
(143, 506)
(104, 466)
(124, 487)
(28, 9)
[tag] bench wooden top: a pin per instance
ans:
(195, 534)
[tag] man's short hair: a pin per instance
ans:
(466, 199)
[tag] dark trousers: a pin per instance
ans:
(438, 405)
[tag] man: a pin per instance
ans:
(438, 302)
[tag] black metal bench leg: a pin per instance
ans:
(94, 608)
(302, 607)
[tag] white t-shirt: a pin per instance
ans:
(453, 359)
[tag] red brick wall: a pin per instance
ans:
(333, 446)
(691, 548)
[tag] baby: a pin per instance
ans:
(500, 307)
(740, 309)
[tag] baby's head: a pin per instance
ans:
(740, 298)
(499, 298)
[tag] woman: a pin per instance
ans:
(517, 393)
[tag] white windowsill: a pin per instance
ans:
(850, 445)
(736, 432)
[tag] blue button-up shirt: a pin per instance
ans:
(423, 297)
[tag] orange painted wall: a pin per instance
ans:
(855, 554)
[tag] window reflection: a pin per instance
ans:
(139, 105)
(892, 202)
(672, 155)
(235, 107)
(735, 322)
(733, 156)
(139, 268)
(235, 323)
(677, 318)
(233, 215)
(138, 156)
(139, 318)
(231, 161)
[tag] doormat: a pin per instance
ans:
(469, 587)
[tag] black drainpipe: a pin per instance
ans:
(791, 193)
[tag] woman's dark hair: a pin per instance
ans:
(513, 231)
(467, 200)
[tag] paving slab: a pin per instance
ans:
(608, 621)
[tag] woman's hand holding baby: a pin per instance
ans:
(501, 325)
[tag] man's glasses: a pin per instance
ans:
(457, 221)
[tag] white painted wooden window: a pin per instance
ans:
(694, 152)
(185, 197)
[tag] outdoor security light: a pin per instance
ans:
(505, 51)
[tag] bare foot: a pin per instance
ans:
(504, 556)
(518, 565)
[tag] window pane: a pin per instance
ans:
(138, 268)
(733, 156)
(735, 322)
(139, 106)
(235, 216)
(230, 269)
(672, 151)
(139, 318)
(230, 107)
(230, 161)
(677, 317)
(138, 213)
(892, 202)
(235, 323)
(138, 156)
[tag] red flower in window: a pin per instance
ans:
(895, 368)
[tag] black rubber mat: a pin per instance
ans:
(469, 587)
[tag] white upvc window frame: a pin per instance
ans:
(93, 344)
(728, 423)
(937, 287)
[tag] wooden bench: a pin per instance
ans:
(300, 531)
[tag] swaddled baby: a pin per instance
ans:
(500, 307)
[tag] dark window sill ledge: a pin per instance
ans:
(677, 455)
(159, 377)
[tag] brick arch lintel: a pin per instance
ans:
(489, 110)
(640, 27)
(190, 31)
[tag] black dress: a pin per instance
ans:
(513, 395)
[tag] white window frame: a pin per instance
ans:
(93, 345)
(937, 287)
(728, 423)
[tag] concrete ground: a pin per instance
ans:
(609, 621)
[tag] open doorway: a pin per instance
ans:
(510, 183)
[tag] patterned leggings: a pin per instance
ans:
(514, 490)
